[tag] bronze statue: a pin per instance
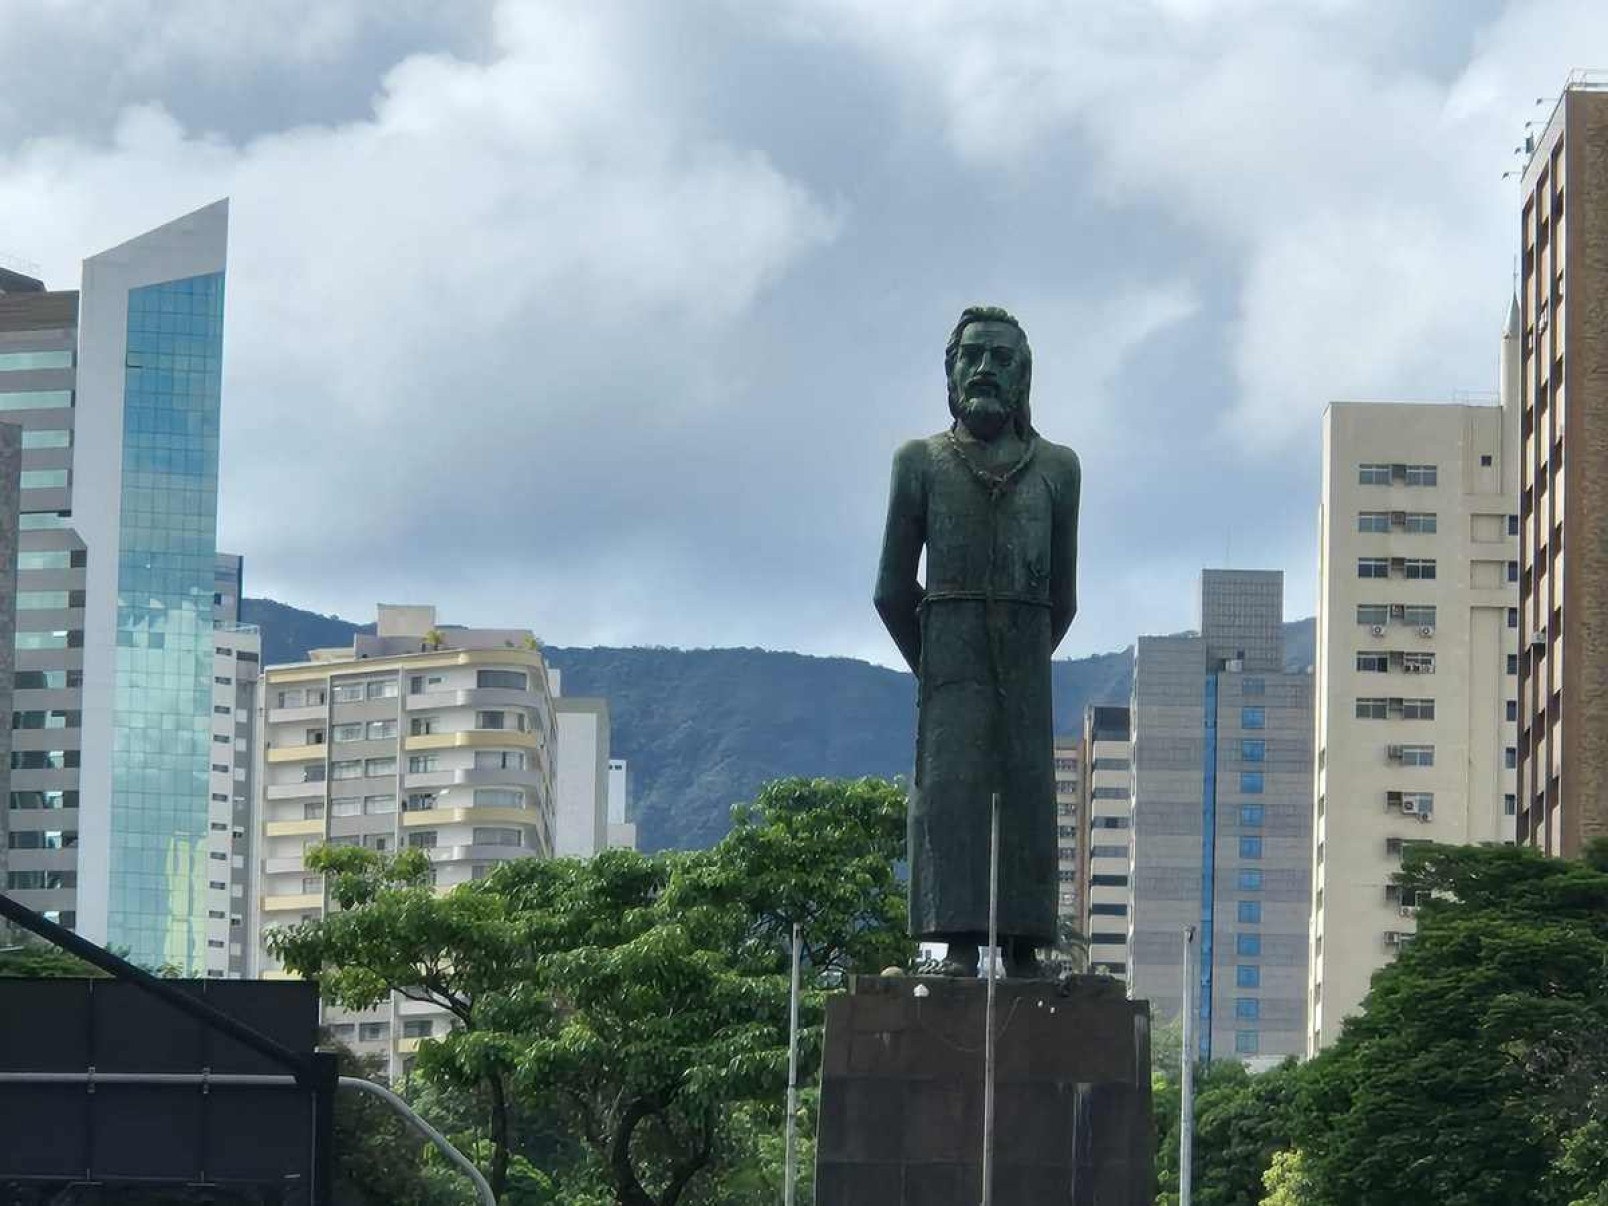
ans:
(996, 509)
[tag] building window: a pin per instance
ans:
(1373, 615)
(381, 805)
(1418, 569)
(423, 839)
(1419, 615)
(1373, 521)
(1512, 571)
(375, 768)
(1250, 912)
(1512, 663)
(346, 806)
(1417, 755)
(1510, 758)
(499, 797)
(1423, 522)
(419, 801)
(417, 1027)
(1373, 567)
(1418, 663)
(498, 837)
(1251, 782)
(1512, 709)
(380, 730)
(1422, 475)
(1252, 749)
(1250, 847)
(1108, 910)
(422, 764)
(1108, 881)
(1418, 709)
(346, 770)
(373, 1032)
(1513, 617)
(1250, 879)
(1248, 946)
(1376, 662)
(499, 760)
(1373, 475)
(1251, 814)
(503, 680)
(1513, 525)
(348, 692)
(346, 732)
(1253, 686)
(381, 688)
(1247, 1008)
(1510, 804)
(1253, 718)
(1373, 708)
(1247, 975)
(1247, 1042)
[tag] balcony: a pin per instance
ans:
(284, 866)
(300, 902)
(295, 791)
(303, 828)
(298, 753)
(307, 714)
(472, 739)
(474, 697)
(475, 777)
(437, 818)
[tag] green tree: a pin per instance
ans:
(1473, 1075)
(1286, 1181)
(640, 1001)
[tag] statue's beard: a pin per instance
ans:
(987, 415)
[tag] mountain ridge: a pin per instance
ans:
(702, 729)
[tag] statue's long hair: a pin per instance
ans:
(1022, 420)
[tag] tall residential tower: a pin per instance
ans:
(1563, 478)
(1417, 651)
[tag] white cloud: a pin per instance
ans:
(606, 318)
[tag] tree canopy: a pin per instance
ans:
(641, 1002)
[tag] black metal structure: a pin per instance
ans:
(195, 1090)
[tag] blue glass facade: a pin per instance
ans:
(162, 703)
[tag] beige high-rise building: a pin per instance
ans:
(1563, 478)
(439, 738)
(1417, 643)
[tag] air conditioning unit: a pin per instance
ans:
(1411, 668)
(1377, 630)
(1408, 910)
(1393, 752)
(1539, 638)
(1409, 807)
(1392, 938)
(1428, 630)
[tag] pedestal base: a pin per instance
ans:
(902, 1094)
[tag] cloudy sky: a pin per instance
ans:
(605, 318)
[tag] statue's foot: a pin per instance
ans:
(961, 962)
(1021, 961)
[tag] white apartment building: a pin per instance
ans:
(1417, 650)
(439, 738)
(236, 663)
(1107, 825)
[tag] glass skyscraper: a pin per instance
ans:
(144, 503)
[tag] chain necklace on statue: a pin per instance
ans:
(995, 483)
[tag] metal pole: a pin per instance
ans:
(1186, 1078)
(790, 1176)
(988, 1039)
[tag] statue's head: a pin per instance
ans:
(990, 372)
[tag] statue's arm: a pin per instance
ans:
(1064, 550)
(898, 593)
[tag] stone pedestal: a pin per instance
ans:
(901, 1120)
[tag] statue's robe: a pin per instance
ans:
(1001, 553)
